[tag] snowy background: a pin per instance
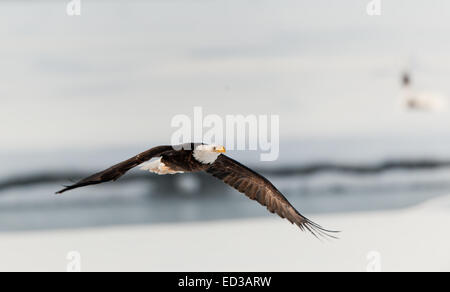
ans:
(78, 94)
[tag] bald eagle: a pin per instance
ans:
(195, 157)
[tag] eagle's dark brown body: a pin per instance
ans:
(183, 160)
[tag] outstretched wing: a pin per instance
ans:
(258, 188)
(116, 171)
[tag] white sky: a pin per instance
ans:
(117, 74)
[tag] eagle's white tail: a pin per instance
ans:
(158, 167)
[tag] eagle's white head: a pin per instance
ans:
(207, 154)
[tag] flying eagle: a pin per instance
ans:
(193, 157)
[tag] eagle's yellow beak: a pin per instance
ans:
(220, 149)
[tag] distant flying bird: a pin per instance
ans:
(425, 101)
(192, 157)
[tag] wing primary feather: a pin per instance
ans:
(322, 232)
(258, 188)
(115, 172)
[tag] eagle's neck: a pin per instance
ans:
(205, 156)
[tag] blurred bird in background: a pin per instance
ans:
(426, 101)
